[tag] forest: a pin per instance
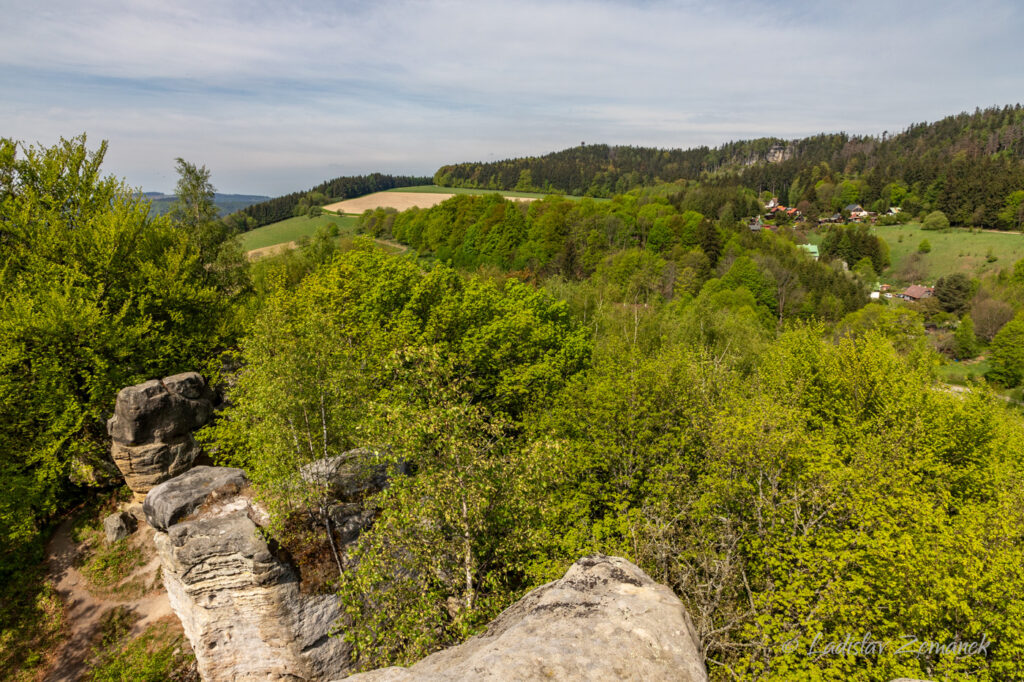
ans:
(970, 166)
(644, 377)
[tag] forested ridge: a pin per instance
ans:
(345, 187)
(644, 377)
(969, 166)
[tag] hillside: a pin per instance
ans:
(226, 203)
(971, 166)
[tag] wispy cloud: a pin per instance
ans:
(277, 96)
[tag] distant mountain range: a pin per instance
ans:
(226, 203)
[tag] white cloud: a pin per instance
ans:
(277, 96)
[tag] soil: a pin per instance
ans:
(84, 609)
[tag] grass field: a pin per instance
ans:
(953, 250)
(292, 229)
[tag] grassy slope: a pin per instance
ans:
(292, 229)
(953, 250)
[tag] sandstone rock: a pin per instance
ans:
(152, 425)
(175, 499)
(118, 526)
(347, 476)
(152, 463)
(156, 410)
(604, 620)
(240, 604)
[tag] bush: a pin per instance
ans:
(936, 220)
(924, 247)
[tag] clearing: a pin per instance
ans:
(953, 250)
(292, 229)
(401, 201)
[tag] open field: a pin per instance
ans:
(292, 229)
(953, 250)
(437, 189)
(397, 200)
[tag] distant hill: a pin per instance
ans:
(345, 187)
(967, 166)
(226, 203)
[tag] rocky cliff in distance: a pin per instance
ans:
(604, 620)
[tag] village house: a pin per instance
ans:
(915, 292)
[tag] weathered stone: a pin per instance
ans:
(145, 466)
(240, 605)
(604, 620)
(118, 526)
(172, 500)
(161, 410)
(347, 476)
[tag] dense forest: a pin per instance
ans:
(970, 166)
(643, 376)
(346, 187)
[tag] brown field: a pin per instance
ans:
(397, 200)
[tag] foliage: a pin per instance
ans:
(1006, 354)
(160, 654)
(954, 292)
(936, 220)
(347, 187)
(446, 554)
(965, 342)
(96, 296)
(924, 247)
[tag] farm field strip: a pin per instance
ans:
(396, 200)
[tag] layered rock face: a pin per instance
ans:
(239, 603)
(152, 429)
(604, 620)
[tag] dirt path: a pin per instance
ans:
(83, 610)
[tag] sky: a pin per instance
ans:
(275, 97)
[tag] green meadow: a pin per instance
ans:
(292, 229)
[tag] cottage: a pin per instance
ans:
(915, 292)
(811, 249)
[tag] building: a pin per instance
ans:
(915, 292)
(811, 249)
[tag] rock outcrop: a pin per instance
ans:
(152, 429)
(239, 602)
(118, 526)
(604, 620)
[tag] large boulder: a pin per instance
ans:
(152, 428)
(604, 620)
(238, 600)
(118, 526)
(173, 500)
(160, 410)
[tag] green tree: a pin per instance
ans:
(924, 247)
(954, 292)
(936, 220)
(965, 343)
(1012, 213)
(97, 296)
(1006, 354)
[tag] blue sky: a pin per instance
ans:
(274, 97)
